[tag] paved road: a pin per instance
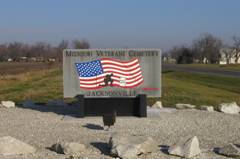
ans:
(212, 71)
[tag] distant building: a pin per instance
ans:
(51, 60)
(33, 59)
(205, 60)
(40, 59)
(22, 59)
(196, 61)
(229, 56)
(168, 59)
(9, 60)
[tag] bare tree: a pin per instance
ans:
(183, 55)
(81, 44)
(61, 46)
(236, 42)
(3, 52)
(41, 50)
(15, 50)
(236, 48)
(207, 46)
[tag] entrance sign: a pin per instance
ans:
(112, 72)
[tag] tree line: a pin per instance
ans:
(205, 49)
(16, 50)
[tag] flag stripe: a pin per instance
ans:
(122, 72)
(115, 83)
(100, 83)
(120, 67)
(115, 74)
(129, 84)
(115, 78)
(118, 62)
(97, 87)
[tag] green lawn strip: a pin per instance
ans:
(188, 89)
(226, 83)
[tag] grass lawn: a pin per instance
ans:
(178, 87)
(39, 86)
(199, 89)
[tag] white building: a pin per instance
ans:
(10, 60)
(205, 60)
(229, 56)
(168, 59)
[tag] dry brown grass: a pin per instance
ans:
(39, 85)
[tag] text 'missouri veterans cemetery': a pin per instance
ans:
(112, 72)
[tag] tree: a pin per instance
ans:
(236, 42)
(236, 46)
(63, 45)
(41, 49)
(183, 55)
(3, 52)
(81, 44)
(15, 50)
(207, 46)
(59, 50)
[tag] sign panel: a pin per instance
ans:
(112, 72)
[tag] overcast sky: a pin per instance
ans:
(118, 23)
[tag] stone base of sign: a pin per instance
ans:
(122, 105)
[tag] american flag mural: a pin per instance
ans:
(104, 72)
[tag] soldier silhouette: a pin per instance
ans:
(108, 79)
